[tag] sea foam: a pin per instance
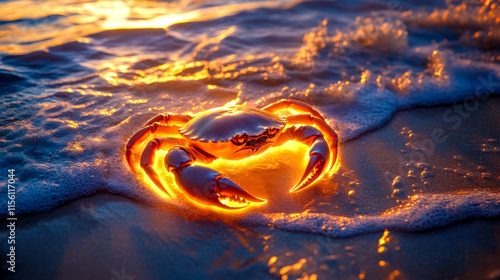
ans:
(423, 212)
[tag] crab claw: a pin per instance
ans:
(319, 158)
(228, 188)
(208, 187)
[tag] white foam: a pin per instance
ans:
(425, 212)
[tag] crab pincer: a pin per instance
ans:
(319, 159)
(322, 153)
(204, 185)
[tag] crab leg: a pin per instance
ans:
(161, 124)
(170, 119)
(322, 140)
(143, 134)
(204, 185)
(328, 132)
(148, 158)
(296, 105)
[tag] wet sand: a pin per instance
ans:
(106, 236)
(94, 236)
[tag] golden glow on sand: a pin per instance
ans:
(252, 173)
(295, 270)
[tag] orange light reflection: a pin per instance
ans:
(79, 20)
(262, 169)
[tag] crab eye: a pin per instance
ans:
(271, 132)
(239, 139)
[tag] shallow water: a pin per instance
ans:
(78, 78)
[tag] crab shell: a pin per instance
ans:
(233, 132)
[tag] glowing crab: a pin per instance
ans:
(232, 132)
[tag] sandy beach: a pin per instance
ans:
(105, 235)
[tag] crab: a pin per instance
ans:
(231, 132)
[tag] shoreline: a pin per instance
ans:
(104, 235)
